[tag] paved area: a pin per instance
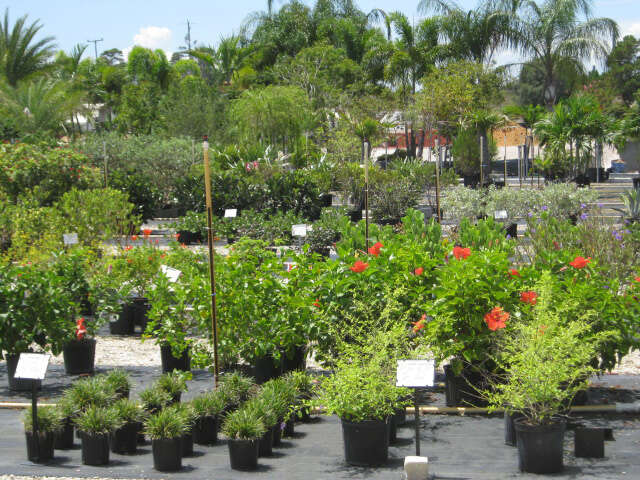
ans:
(458, 448)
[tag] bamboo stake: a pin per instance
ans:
(366, 193)
(212, 270)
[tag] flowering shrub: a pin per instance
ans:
(45, 172)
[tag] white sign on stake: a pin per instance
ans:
(171, 273)
(70, 238)
(32, 366)
(299, 230)
(500, 215)
(231, 213)
(415, 373)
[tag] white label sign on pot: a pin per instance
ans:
(70, 238)
(500, 215)
(32, 366)
(299, 230)
(231, 213)
(415, 373)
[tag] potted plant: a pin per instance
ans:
(166, 429)
(40, 448)
(262, 407)
(34, 312)
(154, 399)
(95, 426)
(281, 398)
(191, 228)
(88, 392)
(364, 399)
(243, 428)
(110, 298)
(124, 439)
(119, 381)
(304, 387)
(235, 388)
(188, 413)
(546, 361)
(173, 383)
(68, 412)
(209, 408)
(79, 353)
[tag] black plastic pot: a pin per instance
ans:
(459, 389)
(512, 230)
(95, 449)
(205, 430)
(540, 446)
(297, 361)
(509, 429)
(171, 363)
(40, 448)
(124, 325)
(139, 308)
(18, 384)
(187, 444)
(636, 183)
(366, 443)
(125, 439)
(167, 454)
(397, 419)
(289, 428)
(64, 438)
(188, 238)
(589, 442)
(243, 454)
(277, 434)
(471, 180)
(265, 444)
(265, 368)
(79, 356)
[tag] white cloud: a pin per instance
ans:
(153, 37)
(630, 28)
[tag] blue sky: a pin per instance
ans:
(162, 23)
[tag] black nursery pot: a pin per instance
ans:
(265, 368)
(243, 454)
(459, 389)
(124, 325)
(298, 360)
(171, 363)
(95, 449)
(187, 444)
(265, 444)
(18, 384)
(125, 439)
(167, 454)
(40, 448)
(289, 428)
(139, 308)
(79, 356)
(509, 428)
(540, 446)
(366, 443)
(64, 438)
(589, 442)
(277, 434)
(205, 430)
(512, 230)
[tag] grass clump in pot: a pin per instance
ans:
(154, 399)
(119, 382)
(236, 388)
(209, 404)
(50, 420)
(98, 421)
(128, 411)
(89, 392)
(243, 424)
(174, 383)
(165, 425)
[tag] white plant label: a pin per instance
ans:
(70, 238)
(172, 274)
(500, 215)
(299, 230)
(32, 366)
(231, 213)
(415, 373)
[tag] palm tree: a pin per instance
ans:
(474, 35)
(558, 31)
(379, 15)
(20, 56)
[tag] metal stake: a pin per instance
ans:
(366, 193)
(34, 418)
(416, 414)
(438, 179)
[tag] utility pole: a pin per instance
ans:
(95, 45)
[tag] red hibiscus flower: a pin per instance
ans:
(637, 279)
(580, 262)
(359, 266)
(460, 252)
(375, 250)
(316, 303)
(514, 273)
(542, 329)
(496, 318)
(146, 232)
(81, 329)
(419, 325)
(418, 271)
(177, 236)
(529, 297)
(134, 237)
(127, 248)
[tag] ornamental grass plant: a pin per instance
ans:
(50, 419)
(98, 421)
(165, 424)
(243, 424)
